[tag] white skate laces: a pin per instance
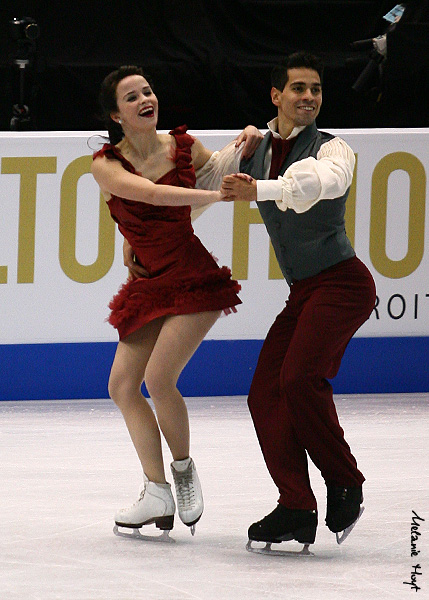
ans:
(189, 496)
(155, 504)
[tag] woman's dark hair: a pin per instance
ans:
(297, 60)
(107, 98)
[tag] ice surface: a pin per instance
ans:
(67, 466)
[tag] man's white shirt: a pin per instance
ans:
(303, 184)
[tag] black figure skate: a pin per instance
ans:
(282, 525)
(343, 509)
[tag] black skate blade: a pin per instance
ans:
(341, 536)
(267, 550)
(136, 535)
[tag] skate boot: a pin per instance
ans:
(190, 504)
(343, 509)
(282, 525)
(154, 505)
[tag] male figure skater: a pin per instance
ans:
(300, 178)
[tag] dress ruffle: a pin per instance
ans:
(139, 300)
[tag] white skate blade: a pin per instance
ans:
(341, 536)
(135, 534)
(192, 530)
(267, 550)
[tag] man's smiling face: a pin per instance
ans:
(300, 101)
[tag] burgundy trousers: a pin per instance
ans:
(290, 400)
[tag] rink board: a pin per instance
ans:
(61, 262)
(64, 371)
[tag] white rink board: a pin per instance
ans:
(45, 301)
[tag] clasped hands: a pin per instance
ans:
(238, 187)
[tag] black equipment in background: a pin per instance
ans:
(23, 34)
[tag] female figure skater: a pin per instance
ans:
(163, 316)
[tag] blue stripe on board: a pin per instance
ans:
(218, 368)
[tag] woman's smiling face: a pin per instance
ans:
(137, 104)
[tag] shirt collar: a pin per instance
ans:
(273, 127)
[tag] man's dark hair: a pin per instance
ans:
(297, 60)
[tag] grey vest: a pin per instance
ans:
(307, 243)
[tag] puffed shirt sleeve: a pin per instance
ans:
(221, 163)
(209, 177)
(310, 180)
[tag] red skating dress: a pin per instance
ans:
(184, 277)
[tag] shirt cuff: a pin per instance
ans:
(269, 189)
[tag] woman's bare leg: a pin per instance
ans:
(157, 352)
(125, 382)
(177, 341)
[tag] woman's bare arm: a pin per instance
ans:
(114, 180)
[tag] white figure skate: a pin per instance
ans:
(154, 505)
(189, 496)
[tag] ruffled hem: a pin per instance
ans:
(140, 300)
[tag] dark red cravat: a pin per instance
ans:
(280, 149)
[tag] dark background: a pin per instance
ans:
(211, 60)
